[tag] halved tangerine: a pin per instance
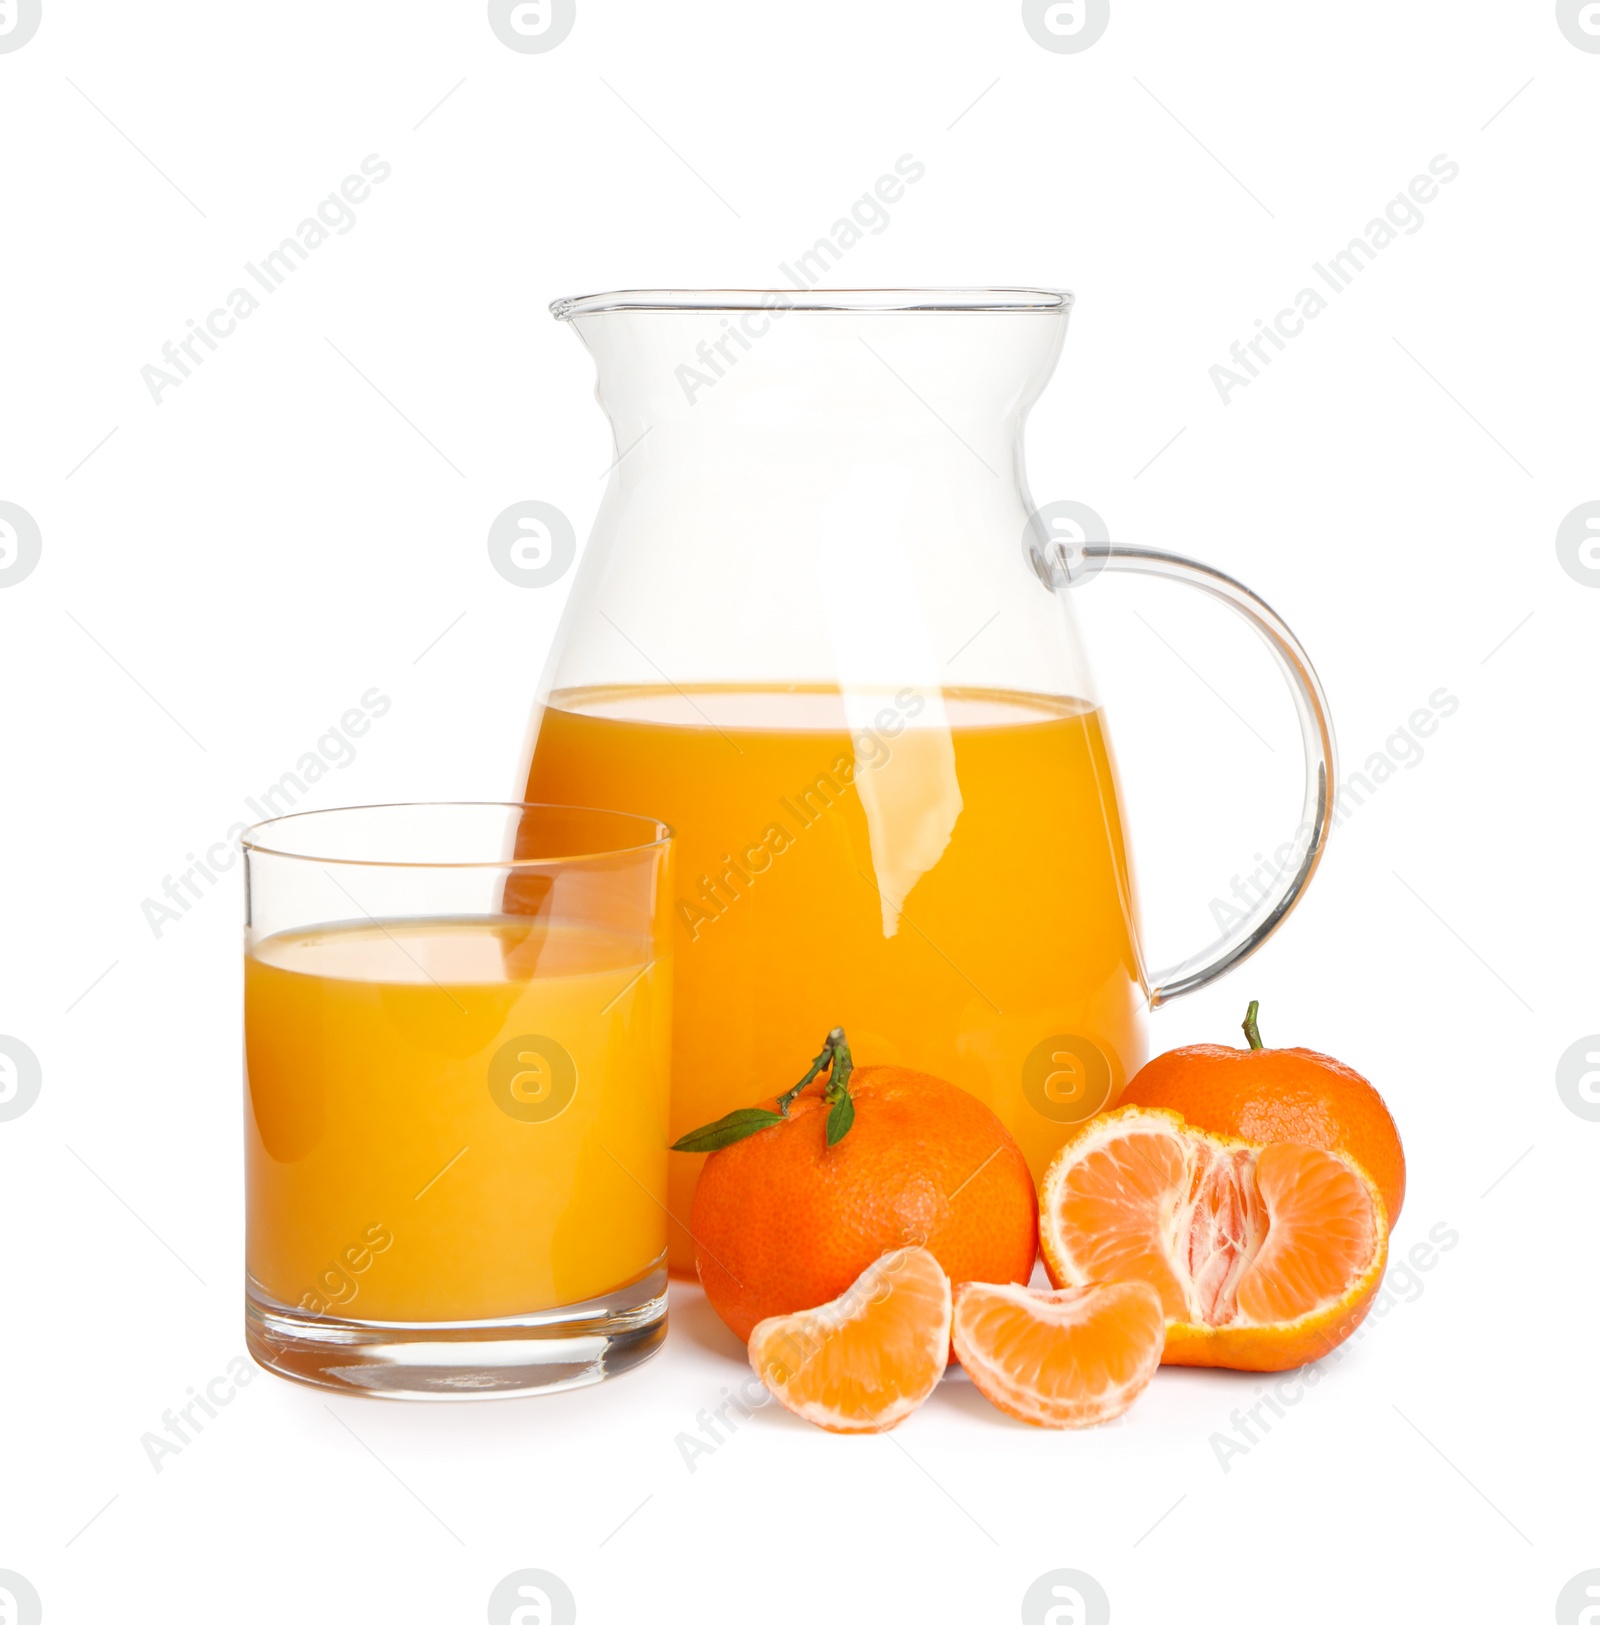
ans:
(1264, 1257)
(865, 1361)
(1063, 1359)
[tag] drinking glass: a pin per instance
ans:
(456, 1117)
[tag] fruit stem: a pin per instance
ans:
(1251, 1031)
(843, 1066)
(835, 1052)
(841, 1108)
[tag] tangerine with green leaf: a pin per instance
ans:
(800, 1195)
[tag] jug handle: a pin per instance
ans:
(1316, 738)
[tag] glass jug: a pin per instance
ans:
(884, 821)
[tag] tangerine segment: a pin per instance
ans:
(1114, 1200)
(1323, 1234)
(1062, 1359)
(1264, 1256)
(865, 1361)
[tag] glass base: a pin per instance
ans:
(540, 1353)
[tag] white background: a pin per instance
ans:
(230, 570)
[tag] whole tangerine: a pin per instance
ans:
(1282, 1096)
(799, 1196)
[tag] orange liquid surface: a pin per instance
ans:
(417, 1149)
(945, 876)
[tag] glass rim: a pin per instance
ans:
(864, 300)
(664, 834)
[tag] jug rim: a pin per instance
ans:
(873, 300)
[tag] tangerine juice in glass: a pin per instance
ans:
(941, 872)
(457, 1120)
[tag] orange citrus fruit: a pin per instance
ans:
(865, 1361)
(1264, 1257)
(786, 1218)
(1267, 1095)
(1063, 1359)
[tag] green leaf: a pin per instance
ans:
(840, 1118)
(729, 1130)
